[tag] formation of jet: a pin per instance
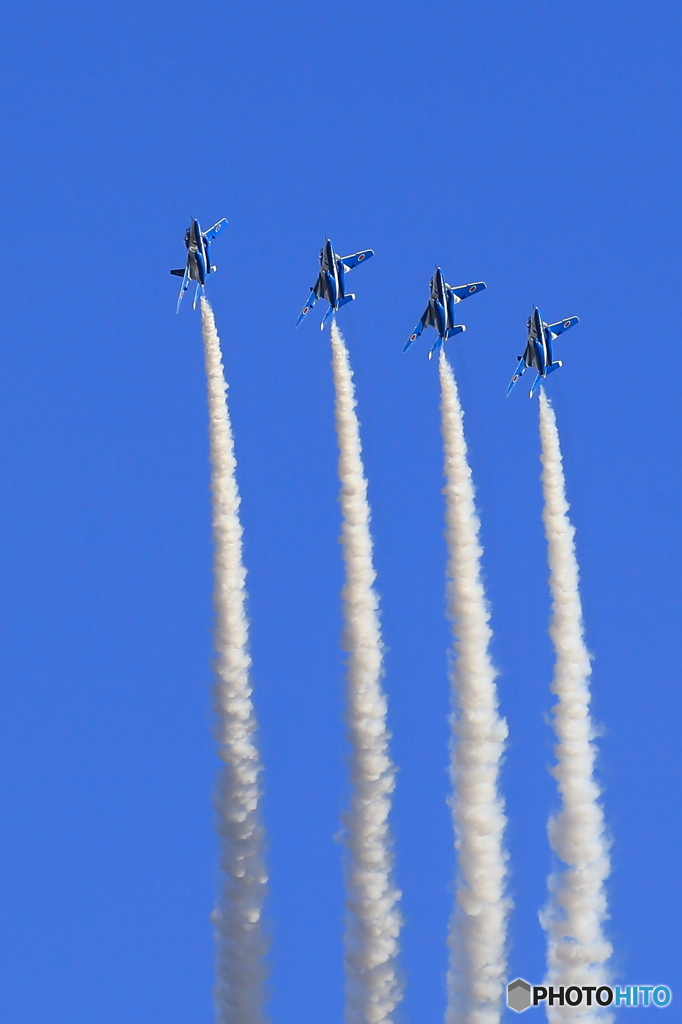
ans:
(331, 282)
(538, 352)
(198, 258)
(440, 312)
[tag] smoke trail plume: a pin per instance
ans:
(477, 936)
(240, 943)
(373, 988)
(577, 949)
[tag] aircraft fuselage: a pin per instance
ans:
(333, 274)
(538, 352)
(198, 253)
(444, 302)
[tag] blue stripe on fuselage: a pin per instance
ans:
(331, 285)
(201, 266)
(440, 317)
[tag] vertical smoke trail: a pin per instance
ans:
(240, 943)
(373, 988)
(476, 974)
(577, 949)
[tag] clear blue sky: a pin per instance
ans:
(534, 145)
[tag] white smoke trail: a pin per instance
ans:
(373, 988)
(240, 943)
(477, 936)
(577, 949)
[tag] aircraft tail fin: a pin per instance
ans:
(178, 273)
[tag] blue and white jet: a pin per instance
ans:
(539, 352)
(331, 283)
(199, 264)
(440, 312)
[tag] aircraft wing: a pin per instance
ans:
(215, 230)
(520, 370)
(358, 257)
(563, 325)
(184, 286)
(463, 291)
(312, 299)
(426, 321)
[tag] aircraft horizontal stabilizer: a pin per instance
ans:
(178, 273)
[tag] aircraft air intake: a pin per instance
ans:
(240, 943)
(373, 920)
(573, 919)
(478, 927)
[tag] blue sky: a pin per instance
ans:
(534, 145)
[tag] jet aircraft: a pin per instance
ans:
(199, 264)
(538, 352)
(331, 283)
(440, 312)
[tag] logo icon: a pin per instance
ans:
(518, 995)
